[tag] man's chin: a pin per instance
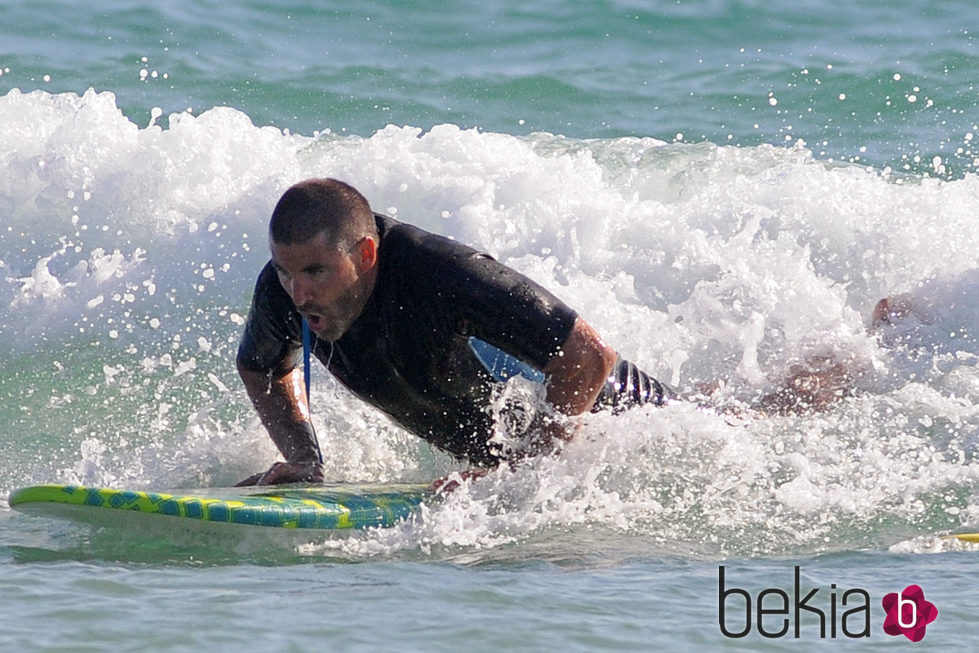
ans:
(327, 333)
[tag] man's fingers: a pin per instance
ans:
(251, 480)
(286, 473)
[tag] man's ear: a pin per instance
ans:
(365, 254)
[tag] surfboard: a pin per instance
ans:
(964, 537)
(321, 507)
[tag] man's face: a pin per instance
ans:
(323, 282)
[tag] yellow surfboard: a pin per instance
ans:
(964, 537)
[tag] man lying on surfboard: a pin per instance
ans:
(407, 320)
(424, 328)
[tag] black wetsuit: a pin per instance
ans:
(408, 353)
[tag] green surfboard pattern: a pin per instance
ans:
(325, 507)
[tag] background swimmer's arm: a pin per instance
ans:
(281, 405)
(578, 372)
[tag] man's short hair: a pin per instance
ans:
(317, 205)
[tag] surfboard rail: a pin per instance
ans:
(323, 507)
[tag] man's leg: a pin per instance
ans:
(628, 386)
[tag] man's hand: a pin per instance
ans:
(308, 472)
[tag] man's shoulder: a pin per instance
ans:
(396, 233)
(267, 282)
(403, 239)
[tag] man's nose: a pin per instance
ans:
(299, 291)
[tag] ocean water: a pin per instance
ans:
(724, 188)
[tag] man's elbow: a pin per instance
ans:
(242, 366)
(580, 370)
(256, 381)
(595, 358)
(245, 371)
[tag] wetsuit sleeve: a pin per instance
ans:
(271, 341)
(486, 299)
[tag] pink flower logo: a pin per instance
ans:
(908, 613)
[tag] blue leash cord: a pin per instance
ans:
(307, 351)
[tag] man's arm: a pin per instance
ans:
(281, 405)
(578, 372)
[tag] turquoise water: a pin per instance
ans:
(724, 189)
